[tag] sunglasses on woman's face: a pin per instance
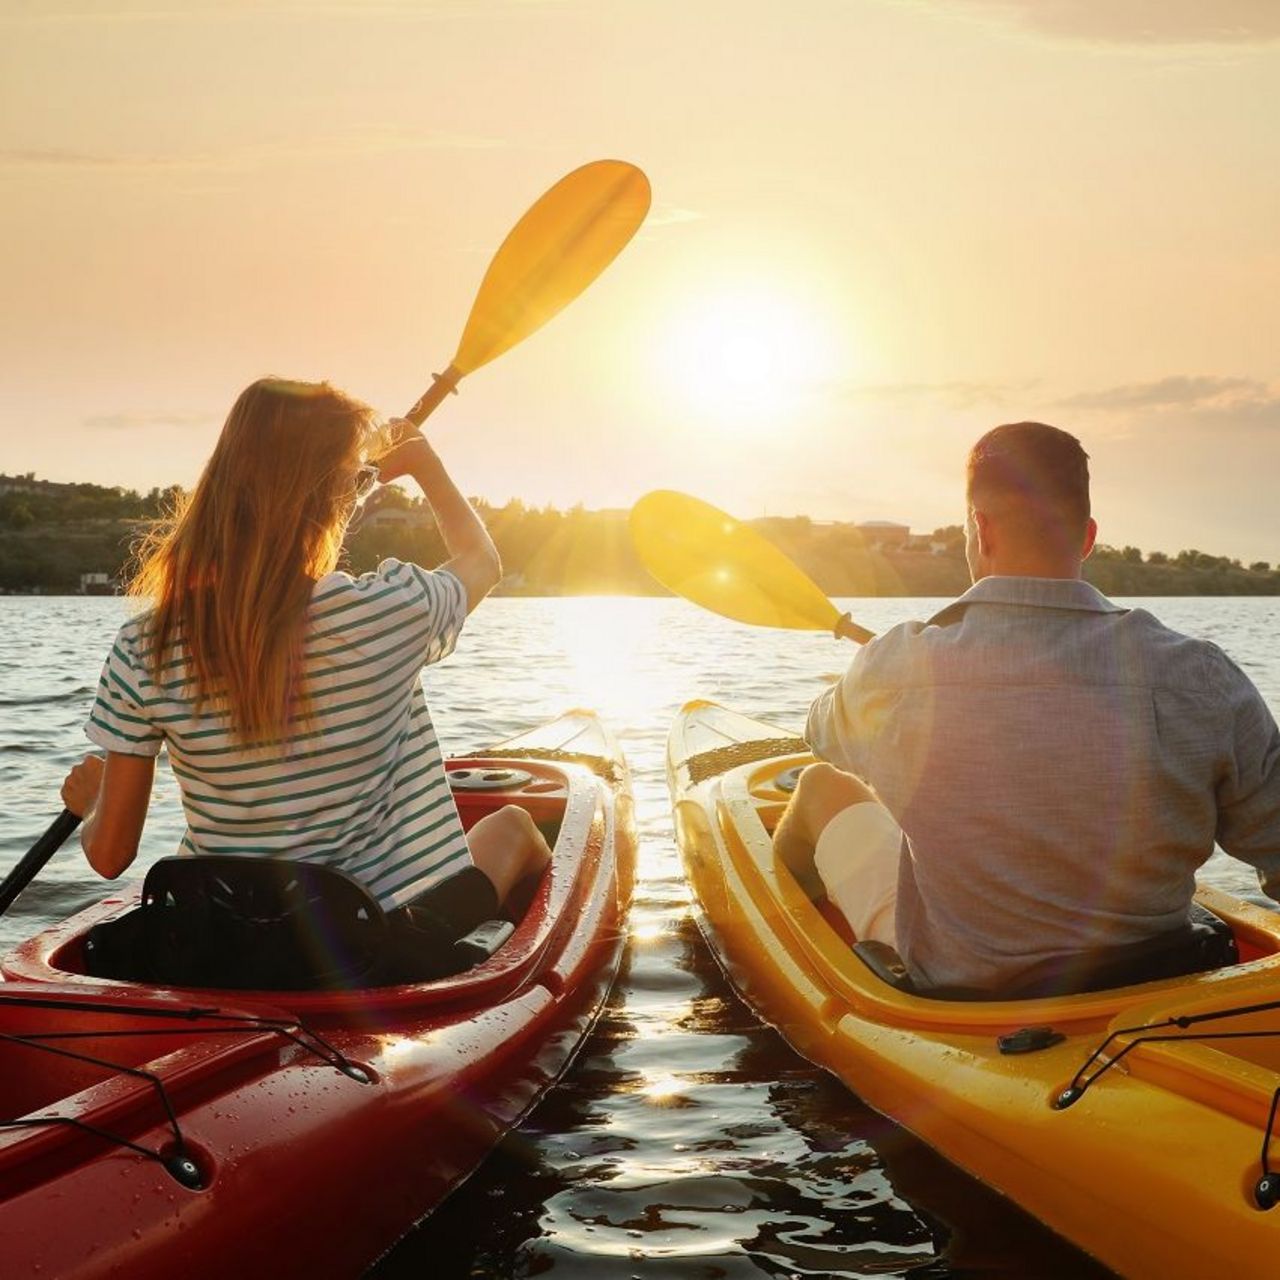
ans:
(365, 483)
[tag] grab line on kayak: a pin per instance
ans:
(179, 1162)
(1266, 1191)
(1084, 1078)
(99, 1006)
(292, 1029)
(71, 1122)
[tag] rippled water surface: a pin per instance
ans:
(687, 1139)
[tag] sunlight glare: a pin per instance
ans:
(663, 1090)
(747, 353)
(609, 642)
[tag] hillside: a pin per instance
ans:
(52, 534)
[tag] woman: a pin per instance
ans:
(288, 694)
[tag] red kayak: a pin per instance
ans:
(161, 1132)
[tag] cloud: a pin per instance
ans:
(132, 421)
(1254, 412)
(1137, 22)
(959, 395)
(1184, 401)
(248, 156)
(1180, 391)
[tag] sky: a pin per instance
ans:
(879, 228)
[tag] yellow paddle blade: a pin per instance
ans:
(724, 565)
(550, 256)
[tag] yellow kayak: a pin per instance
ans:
(1134, 1122)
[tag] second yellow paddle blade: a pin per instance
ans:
(552, 254)
(701, 553)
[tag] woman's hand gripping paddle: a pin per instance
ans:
(551, 255)
(32, 862)
(699, 552)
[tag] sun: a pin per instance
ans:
(747, 353)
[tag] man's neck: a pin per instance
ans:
(1013, 567)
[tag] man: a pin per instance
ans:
(1050, 768)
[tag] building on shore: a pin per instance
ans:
(884, 535)
(98, 584)
(27, 483)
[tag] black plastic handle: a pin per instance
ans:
(32, 862)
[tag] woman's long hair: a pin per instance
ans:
(229, 574)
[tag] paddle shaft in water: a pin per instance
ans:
(32, 862)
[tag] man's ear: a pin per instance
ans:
(1090, 537)
(983, 527)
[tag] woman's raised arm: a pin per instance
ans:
(473, 558)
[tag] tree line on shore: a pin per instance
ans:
(51, 535)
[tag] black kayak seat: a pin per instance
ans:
(244, 923)
(1206, 942)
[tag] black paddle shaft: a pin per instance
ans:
(32, 862)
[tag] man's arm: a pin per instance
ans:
(836, 728)
(1249, 789)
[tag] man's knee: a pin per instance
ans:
(824, 786)
(822, 792)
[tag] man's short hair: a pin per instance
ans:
(1040, 469)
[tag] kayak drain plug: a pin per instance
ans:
(185, 1170)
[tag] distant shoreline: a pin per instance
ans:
(56, 539)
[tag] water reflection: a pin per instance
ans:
(689, 1141)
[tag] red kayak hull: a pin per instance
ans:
(304, 1169)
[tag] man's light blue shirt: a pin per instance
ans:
(1060, 767)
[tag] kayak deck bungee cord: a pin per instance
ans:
(1136, 1122)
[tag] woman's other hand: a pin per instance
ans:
(83, 785)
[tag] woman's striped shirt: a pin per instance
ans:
(362, 785)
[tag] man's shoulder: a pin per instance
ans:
(956, 640)
(1182, 658)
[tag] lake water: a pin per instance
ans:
(687, 1140)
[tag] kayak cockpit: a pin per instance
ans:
(569, 799)
(1236, 936)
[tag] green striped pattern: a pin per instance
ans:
(362, 785)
